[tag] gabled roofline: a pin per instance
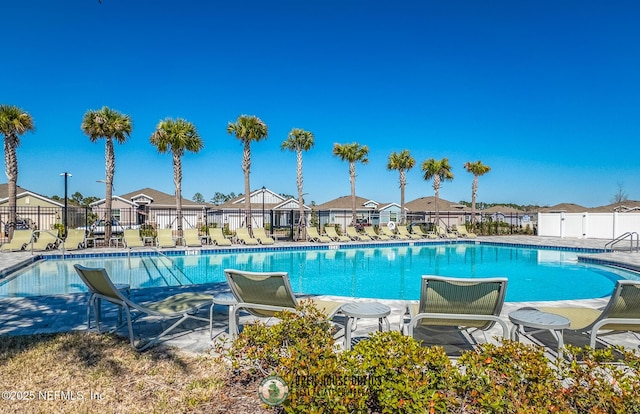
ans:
(142, 195)
(288, 200)
(391, 204)
(36, 195)
(103, 200)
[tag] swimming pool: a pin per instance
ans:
(373, 272)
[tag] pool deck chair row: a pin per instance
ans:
(446, 234)
(403, 231)
(243, 237)
(353, 234)
(182, 306)
(463, 304)
(20, 240)
(314, 236)
(131, 238)
(191, 238)
(76, 239)
(371, 232)
(263, 294)
(218, 238)
(47, 240)
(334, 236)
(164, 238)
(261, 236)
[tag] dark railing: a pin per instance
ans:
(282, 224)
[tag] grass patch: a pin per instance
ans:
(83, 372)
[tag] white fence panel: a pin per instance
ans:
(600, 226)
(627, 222)
(573, 225)
(588, 225)
(549, 224)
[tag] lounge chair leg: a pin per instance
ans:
(89, 305)
(96, 312)
(211, 321)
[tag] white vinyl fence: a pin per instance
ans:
(588, 225)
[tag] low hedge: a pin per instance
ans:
(393, 373)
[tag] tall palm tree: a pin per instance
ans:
(13, 123)
(110, 125)
(352, 153)
(438, 171)
(477, 169)
(299, 140)
(402, 161)
(247, 129)
(177, 136)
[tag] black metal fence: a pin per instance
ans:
(283, 224)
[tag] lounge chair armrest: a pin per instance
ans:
(244, 305)
(414, 321)
(234, 314)
(406, 315)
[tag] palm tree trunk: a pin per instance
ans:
(11, 168)
(302, 222)
(110, 160)
(474, 193)
(246, 167)
(403, 183)
(177, 180)
(436, 189)
(352, 179)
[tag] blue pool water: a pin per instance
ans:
(384, 273)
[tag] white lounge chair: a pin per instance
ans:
(314, 236)
(263, 294)
(461, 303)
(334, 236)
(183, 305)
(621, 314)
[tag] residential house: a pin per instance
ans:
(339, 211)
(40, 212)
(423, 209)
(509, 215)
(153, 207)
(268, 210)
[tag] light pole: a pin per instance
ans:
(66, 198)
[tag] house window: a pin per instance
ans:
(115, 213)
(393, 216)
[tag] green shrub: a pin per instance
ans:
(391, 373)
(300, 350)
(59, 227)
(147, 230)
(596, 382)
(507, 378)
(401, 374)
(261, 348)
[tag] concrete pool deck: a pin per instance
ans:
(64, 313)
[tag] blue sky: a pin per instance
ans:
(546, 93)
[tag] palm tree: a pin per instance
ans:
(299, 140)
(13, 123)
(177, 136)
(247, 129)
(352, 153)
(438, 171)
(402, 161)
(110, 125)
(477, 169)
